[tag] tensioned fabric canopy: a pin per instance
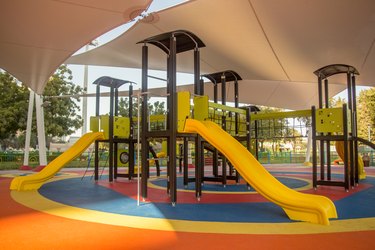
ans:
(38, 36)
(275, 46)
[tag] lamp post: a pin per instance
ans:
(85, 84)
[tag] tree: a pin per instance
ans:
(13, 107)
(337, 102)
(123, 107)
(155, 108)
(61, 116)
(366, 114)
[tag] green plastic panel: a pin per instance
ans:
(329, 120)
(183, 109)
(200, 108)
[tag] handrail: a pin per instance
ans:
(366, 142)
(262, 116)
(226, 108)
(280, 115)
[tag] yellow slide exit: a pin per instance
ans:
(298, 206)
(35, 181)
(340, 151)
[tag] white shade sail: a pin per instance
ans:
(275, 46)
(38, 36)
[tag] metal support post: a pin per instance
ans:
(131, 136)
(186, 164)
(328, 144)
(110, 135)
(144, 126)
(355, 131)
(223, 125)
(314, 149)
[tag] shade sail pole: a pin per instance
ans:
(41, 131)
(308, 147)
(28, 131)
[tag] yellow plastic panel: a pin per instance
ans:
(183, 111)
(121, 127)
(200, 108)
(122, 158)
(104, 125)
(94, 123)
(164, 146)
(329, 120)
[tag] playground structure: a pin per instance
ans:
(116, 129)
(231, 140)
(119, 132)
(230, 121)
(336, 124)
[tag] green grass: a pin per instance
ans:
(17, 165)
(9, 165)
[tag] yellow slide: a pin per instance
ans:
(35, 181)
(340, 151)
(298, 206)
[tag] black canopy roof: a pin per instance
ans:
(230, 76)
(334, 69)
(186, 41)
(111, 82)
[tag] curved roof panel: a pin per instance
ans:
(38, 36)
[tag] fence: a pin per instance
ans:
(18, 157)
(264, 157)
(291, 158)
